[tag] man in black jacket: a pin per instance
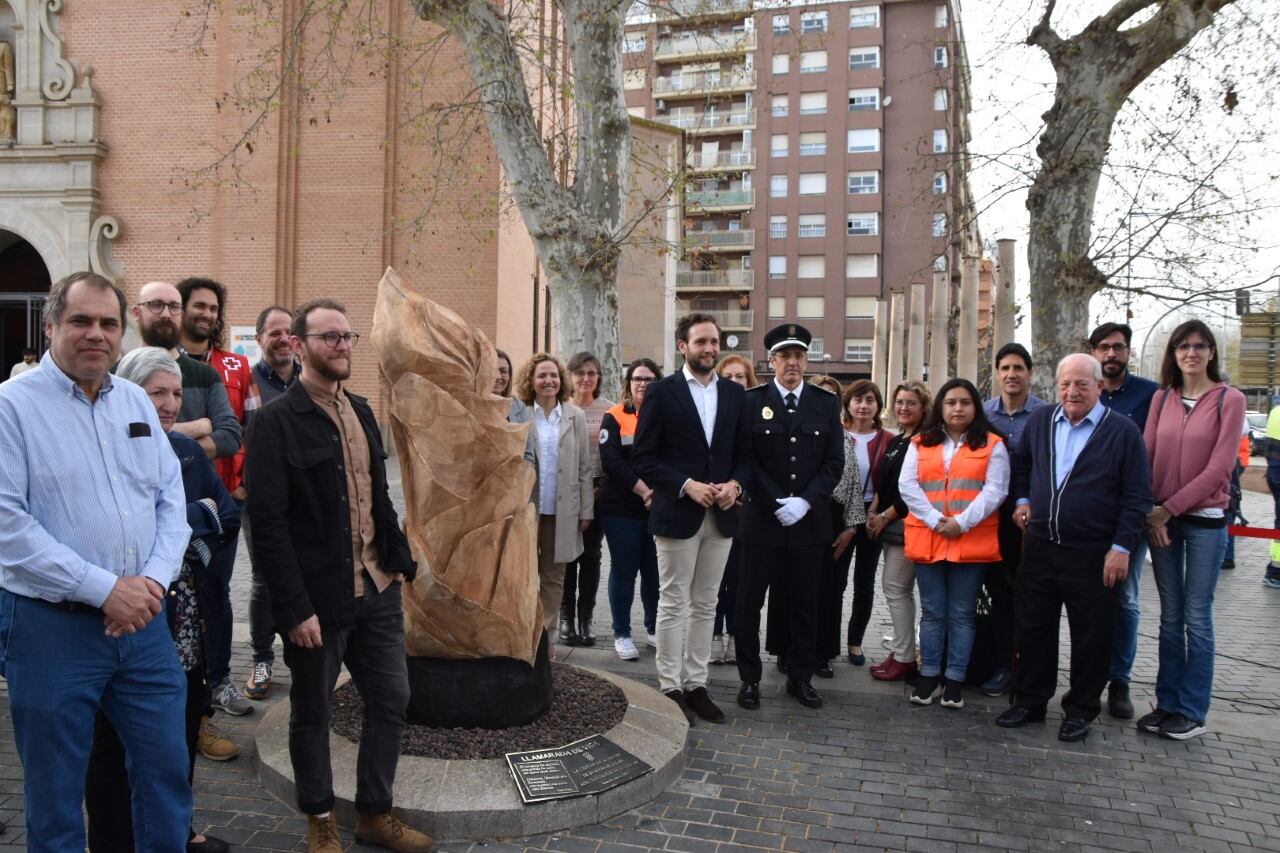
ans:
(326, 536)
(1082, 483)
(691, 448)
(797, 447)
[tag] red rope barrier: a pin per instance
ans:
(1253, 532)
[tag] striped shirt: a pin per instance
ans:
(83, 503)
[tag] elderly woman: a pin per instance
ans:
(214, 519)
(564, 491)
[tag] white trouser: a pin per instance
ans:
(899, 584)
(689, 573)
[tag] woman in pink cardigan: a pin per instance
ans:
(1192, 434)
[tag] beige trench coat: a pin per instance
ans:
(575, 495)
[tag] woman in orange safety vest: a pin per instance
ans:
(954, 477)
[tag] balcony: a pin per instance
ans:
(708, 123)
(704, 83)
(700, 280)
(685, 9)
(705, 45)
(721, 199)
(700, 161)
(732, 319)
(720, 240)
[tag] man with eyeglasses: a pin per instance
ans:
(328, 543)
(1130, 396)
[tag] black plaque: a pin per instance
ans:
(588, 766)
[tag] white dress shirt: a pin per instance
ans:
(548, 427)
(705, 400)
(988, 500)
(785, 391)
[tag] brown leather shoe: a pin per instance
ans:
(700, 701)
(213, 744)
(322, 834)
(387, 830)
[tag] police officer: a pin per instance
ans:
(798, 451)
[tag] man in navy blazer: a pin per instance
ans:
(692, 449)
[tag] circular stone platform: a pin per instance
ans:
(452, 799)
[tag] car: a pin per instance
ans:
(1257, 432)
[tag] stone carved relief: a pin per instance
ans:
(8, 85)
(104, 230)
(56, 86)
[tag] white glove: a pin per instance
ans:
(791, 510)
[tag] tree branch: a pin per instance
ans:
(1043, 36)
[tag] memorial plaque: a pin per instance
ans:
(588, 766)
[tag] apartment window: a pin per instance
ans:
(939, 142)
(633, 43)
(940, 99)
(940, 56)
(861, 17)
(813, 103)
(939, 263)
(859, 307)
(781, 106)
(864, 99)
(777, 226)
(817, 348)
(863, 225)
(940, 16)
(812, 144)
(810, 308)
(811, 266)
(865, 140)
(777, 186)
(813, 22)
(813, 183)
(778, 145)
(813, 225)
(633, 78)
(781, 64)
(857, 349)
(777, 266)
(864, 183)
(939, 225)
(781, 25)
(813, 61)
(939, 183)
(861, 266)
(861, 58)
(777, 306)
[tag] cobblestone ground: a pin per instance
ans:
(872, 772)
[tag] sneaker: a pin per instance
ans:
(387, 830)
(1179, 727)
(1274, 583)
(717, 649)
(927, 687)
(951, 695)
(625, 648)
(730, 653)
(213, 744)
(1153, 721)
(322, 834)
(651, 639)
(998, 684)
(229, 698)
(259, 682)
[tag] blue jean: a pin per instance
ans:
(948, 601)
(1124, 635)
(1186, 576)
(61, 667)
(631, 553)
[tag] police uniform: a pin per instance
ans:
(798, 452)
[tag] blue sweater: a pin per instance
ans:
(1105, 499)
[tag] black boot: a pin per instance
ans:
(586, 637)
(568, 636)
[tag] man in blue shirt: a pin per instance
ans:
(1130, 396)
(1009, 412)
(93, 526)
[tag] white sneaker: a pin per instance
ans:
(717, 649)
(625, 648)
(651, 639)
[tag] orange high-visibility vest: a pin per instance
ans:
(951, 492)
(1244, 450)
(626, 423)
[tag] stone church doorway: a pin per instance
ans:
(24, 285)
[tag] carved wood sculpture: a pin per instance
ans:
(468, 515)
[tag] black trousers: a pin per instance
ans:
(107, 799)
(1000, 582)
(373, 651)
(795, 571)
(865, 553)
(582, 576)
(1050, 576)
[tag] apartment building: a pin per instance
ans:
(825, 167)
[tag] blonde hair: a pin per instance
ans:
(832, 384)
(524, 381)
(752, 381)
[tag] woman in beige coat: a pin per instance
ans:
(563, 493)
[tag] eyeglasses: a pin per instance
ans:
(332, 338)
(1197, 347)
(1115, 348)
(642, 380)
(159, 306)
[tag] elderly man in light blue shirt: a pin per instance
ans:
(92, 530)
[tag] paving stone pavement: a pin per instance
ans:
(872, 772)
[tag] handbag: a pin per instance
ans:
(894, 533)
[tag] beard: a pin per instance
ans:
(331, 369)
(1113, 369)
(161, 333)
(196, 332)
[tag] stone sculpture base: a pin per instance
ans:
(477, 799)
(486, 693)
